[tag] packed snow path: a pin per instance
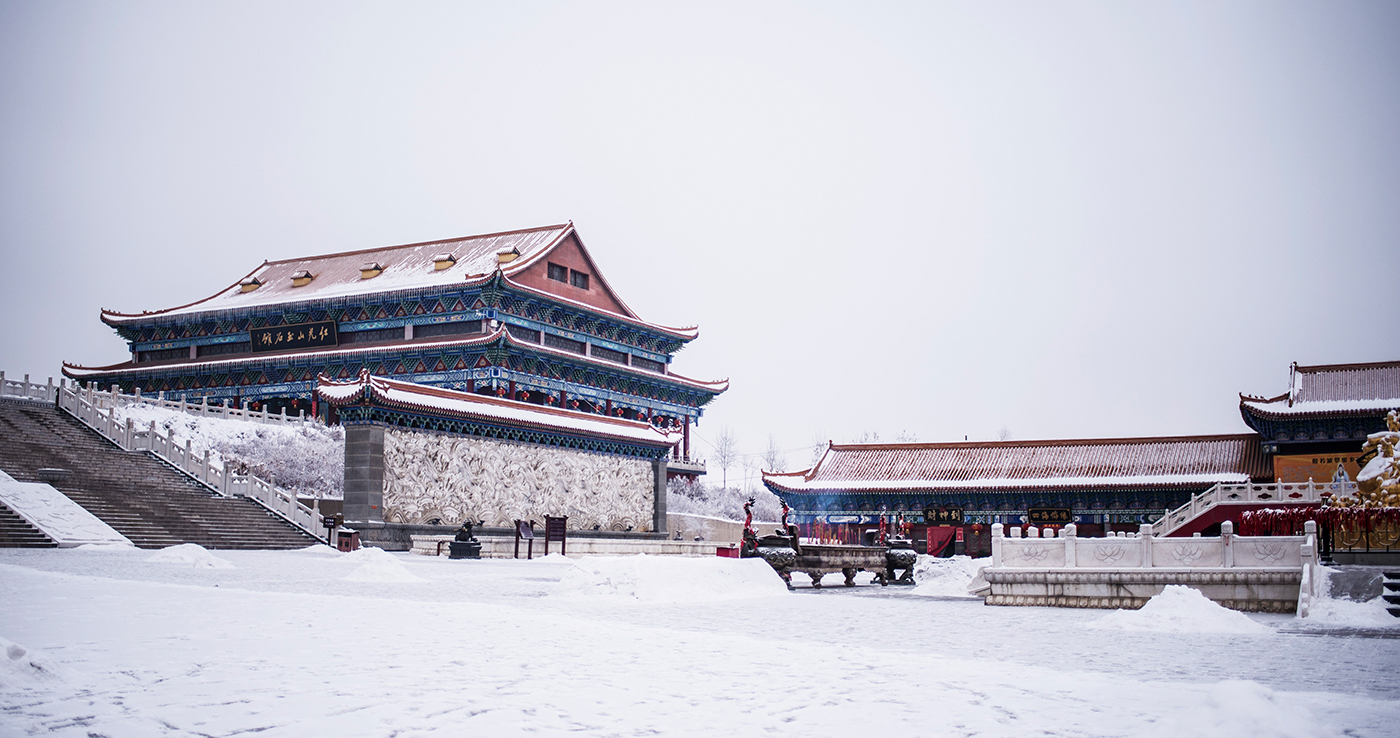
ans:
(294, 643)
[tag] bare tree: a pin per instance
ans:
(906, 437)
(726, 452)
(773, 458)
(1004, 434)
(819, 446)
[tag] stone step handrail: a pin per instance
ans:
(26, 390)
(202, 408)
(1235, 494)
(94, 409)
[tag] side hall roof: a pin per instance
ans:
(1112, 462)
(368, 389)
(1331, 390)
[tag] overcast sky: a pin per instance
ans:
(932, 219)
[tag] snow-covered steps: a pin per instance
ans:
(46, 515)
(142, 498)
(16, 532)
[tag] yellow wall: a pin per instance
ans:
(1317, 467)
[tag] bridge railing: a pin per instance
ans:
(1144, 552)
(95, 410)
(1225, 494)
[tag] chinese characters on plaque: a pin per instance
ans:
(302, 335)
(943, 516)
(1049, 516)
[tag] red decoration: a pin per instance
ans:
(1289, 521)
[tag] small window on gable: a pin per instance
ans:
(249, 284)
(302, 278)
(369, 270)
(578, 279)
(443, 261)
(558, 273)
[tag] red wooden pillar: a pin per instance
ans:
(687, 437)
(471, 385)
(511, 392)
(607, 409)
(563, 399)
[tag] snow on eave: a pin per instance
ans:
(74, 370)
(1272, 409)
(112, 317)
(428, 399)
(709, 386)
(917, 485)
(1362, 366)
(687, 334)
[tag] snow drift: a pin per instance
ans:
(190, 554)
(378, 566)
(1181, 609)
(22, 667)
(950, 577)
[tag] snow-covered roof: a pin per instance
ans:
(1333, 389)
(406, 267)
(1113, 462)
(452, 403)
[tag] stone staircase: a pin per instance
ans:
(16, 532)
(139, 495)
(1390, 591)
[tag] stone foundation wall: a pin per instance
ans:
(1248, 590)
(1249, 573)
(397, 477)
(503, 547)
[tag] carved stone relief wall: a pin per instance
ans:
(454, 478)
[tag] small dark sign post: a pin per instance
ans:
(554, 530)
(1049, 516)
(299, 336)
(943, 515)
(525, 529)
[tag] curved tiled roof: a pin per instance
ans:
(1112, 462)
(405, 267)
(1331, 390)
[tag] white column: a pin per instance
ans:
(996, 544)
(1145, 538)
(1227, 540)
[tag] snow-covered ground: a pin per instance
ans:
(120, 642)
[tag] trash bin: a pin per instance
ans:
(347, 539)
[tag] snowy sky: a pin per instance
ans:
(943, 219)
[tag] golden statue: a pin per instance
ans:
(1378, 484)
